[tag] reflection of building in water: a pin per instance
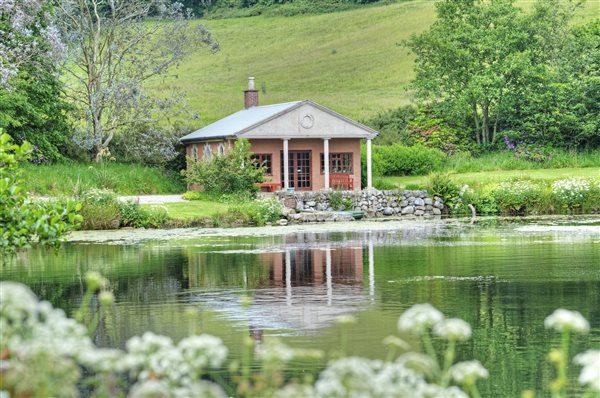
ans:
(307, 287)
(310, 267)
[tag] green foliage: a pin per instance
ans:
(532, 72)
(256, 212)
(124, 179)
(392, 125)
(402, 160)
(442, 185)
(336, 201)
(432, 132)
(100, 210)
(521, 197)
(232, 173)
(287, 8)
(35, 111)
(22, 221)
(383, 184)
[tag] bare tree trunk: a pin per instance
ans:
(485, 123)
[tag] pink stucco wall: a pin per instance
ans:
(315, 146)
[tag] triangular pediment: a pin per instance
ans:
(307, 120)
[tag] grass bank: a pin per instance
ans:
(351, 61)
(478, 179)
(123, 179)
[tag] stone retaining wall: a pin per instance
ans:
(317, 206)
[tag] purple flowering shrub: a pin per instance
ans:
(526, 151)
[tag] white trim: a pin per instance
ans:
(326, 161)
(369, 168)
(286, 169)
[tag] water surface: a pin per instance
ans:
(502, 276)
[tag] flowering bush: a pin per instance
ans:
(44, 353)
(576, 193)
(519, 197)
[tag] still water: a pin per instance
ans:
(503, 277)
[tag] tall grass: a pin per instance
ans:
(506, 160)
(123, 179)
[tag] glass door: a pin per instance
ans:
(299, 170)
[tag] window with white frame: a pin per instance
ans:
(195, 152)
(221, 149)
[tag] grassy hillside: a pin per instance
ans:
(350, 61)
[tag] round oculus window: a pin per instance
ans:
(307, 121)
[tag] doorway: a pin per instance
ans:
(299, 170)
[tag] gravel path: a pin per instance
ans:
(153, 199)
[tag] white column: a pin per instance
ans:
(328, 275)
(369, 173)
(288, 278)
(286, 169)
(371, 270)
(326, 160)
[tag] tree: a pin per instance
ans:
(23, 221)
(26, 34)
(480, 55)
(31, 100)
(115, 47)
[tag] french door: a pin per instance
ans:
(299, 170)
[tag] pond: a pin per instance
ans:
(502, 276)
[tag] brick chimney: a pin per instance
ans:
(250, 95)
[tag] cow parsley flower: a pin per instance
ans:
(419, 318)
(563, 320)
(590, 373)
(453, 330)
(275, 351)
(468, 372)
(204, 351)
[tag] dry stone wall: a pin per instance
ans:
(324, 206)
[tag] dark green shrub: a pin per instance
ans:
(383, 185)
(402, 160)
(232, 173)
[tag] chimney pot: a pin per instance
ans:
(250, 95)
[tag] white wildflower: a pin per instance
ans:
(149, 389)
(202, 352)
(204, 389)
(563, 320)
(590, 373)
(418, 362)
(418, 318)
(468, 372)
(275, 351)
(295, 391)
(453, 329)
(102, 360)
(361, 377)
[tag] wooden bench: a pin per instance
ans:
(269, 186)
(341, 181)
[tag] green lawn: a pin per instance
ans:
(486, 177)
(193, 209)
(350, 61)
